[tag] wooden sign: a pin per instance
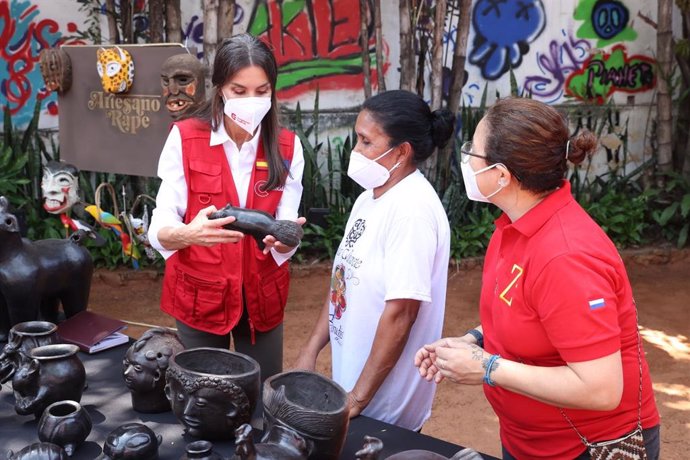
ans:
(115, 133)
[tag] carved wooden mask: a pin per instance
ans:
(182, 81)
(56, 69)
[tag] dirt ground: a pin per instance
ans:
(461, 415)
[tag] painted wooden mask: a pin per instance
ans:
(116, 69)
(60, 187)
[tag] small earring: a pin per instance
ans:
(502, 182)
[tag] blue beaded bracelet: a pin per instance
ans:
(477, 335)
(489, 368)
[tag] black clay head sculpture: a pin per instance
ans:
(182, 81)
(131, 441)
(212, 391)
(144, 367)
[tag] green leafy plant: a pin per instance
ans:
(322, 242)
(671, 209)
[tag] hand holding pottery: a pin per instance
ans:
(259, 224)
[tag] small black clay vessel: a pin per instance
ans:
(200, 450)
(278, 443)
(22, 338)
(131, 441)
(48, 374)
(259, 224)
(144, 367)
(39, 451)
(66, 424)
(313, 406)
(212, 391)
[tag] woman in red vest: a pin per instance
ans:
(558, 348)
(217, 282)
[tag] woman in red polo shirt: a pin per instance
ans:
(558, 348)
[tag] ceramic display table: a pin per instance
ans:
(108, 402)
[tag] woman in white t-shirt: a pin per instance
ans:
(388, 283)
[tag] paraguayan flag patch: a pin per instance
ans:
(596, 303)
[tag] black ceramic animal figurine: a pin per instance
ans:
(279, 443)
(36, 276)
(258, 224)
(39, 451)
(131, 441)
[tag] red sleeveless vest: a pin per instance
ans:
(204, 286)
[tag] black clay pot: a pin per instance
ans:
(32, 334)
(313, 406)
(200, 450)
(39, 451)
(49, 374)
(22, 338)
(66, 424)
(227, 383)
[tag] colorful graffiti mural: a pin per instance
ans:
(193, 30)
(314, 47)
(605, 21)
(563, 57)
(604, 73)
(22, 37)
(503, 31)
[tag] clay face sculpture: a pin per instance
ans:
(66, 424)
(212, 391)
(39, 451)
(259, 224)
(39, 275)
(131, 441)
(313, 406)
(182, 81)
(116, 69)
(60, 187)
(280, 442)
(144, 369)
(56, 69)
(48, 374)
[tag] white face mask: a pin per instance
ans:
(368, 173)
(469, 177)
(247, 112)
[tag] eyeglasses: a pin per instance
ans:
(466, 153)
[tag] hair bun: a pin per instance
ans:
(442, 126)
(581, 146)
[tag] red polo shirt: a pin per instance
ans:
(555, 290)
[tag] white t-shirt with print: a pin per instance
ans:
(395, 247)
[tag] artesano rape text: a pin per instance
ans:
(128, 113)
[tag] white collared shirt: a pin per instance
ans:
(171, 201)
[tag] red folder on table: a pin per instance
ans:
(92, 331)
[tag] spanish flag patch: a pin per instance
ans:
(261, 164)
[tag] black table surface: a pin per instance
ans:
(108, 402)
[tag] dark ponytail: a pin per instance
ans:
(405, 117)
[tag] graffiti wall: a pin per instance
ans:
(573, 51)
